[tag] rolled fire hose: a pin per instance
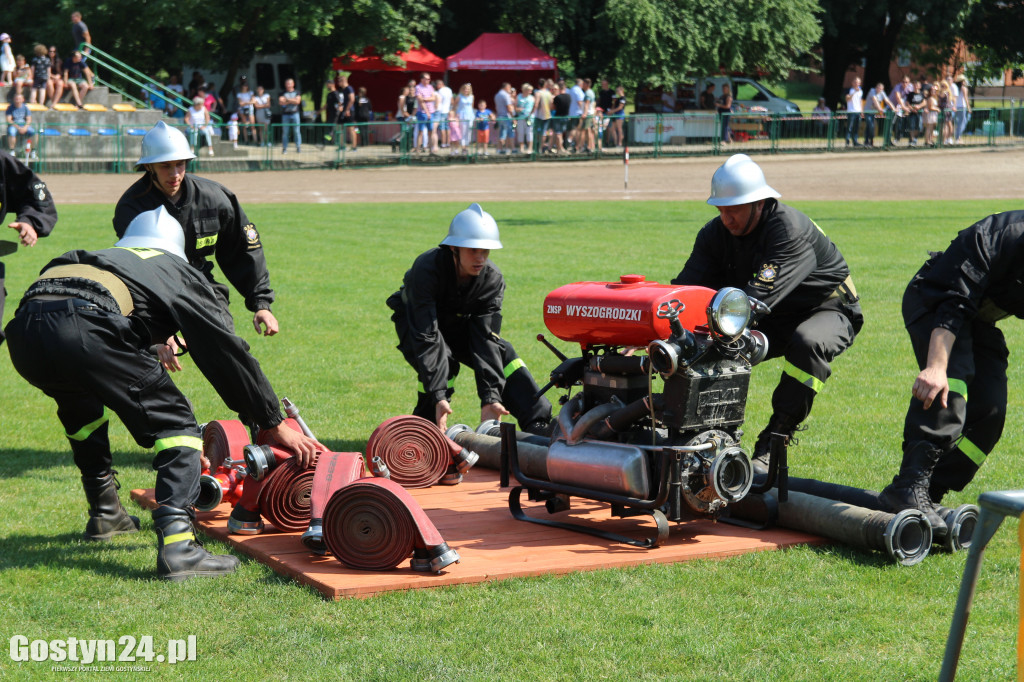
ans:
(906, 537)
(373, 524)
(284, 498)
(960, 521)
(334, 470)
(223, 441)
(416, 453)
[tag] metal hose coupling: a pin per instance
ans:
(433, 559)
(960, 523)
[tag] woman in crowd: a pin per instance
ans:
(615, 117)
(246, 117)
(466, 112)
(261, 110)
(55, 88)
(929, 115)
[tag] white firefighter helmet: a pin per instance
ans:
(473, 228)
(155, 229)
(164, 143)
(739, 181)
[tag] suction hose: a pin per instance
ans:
(960, 521)
(905, 537)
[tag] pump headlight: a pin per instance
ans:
(729, 313)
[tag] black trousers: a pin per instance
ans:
(89, 361)
(967, 430)
(809, 342)
(517, 396)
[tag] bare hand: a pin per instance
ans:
(26, 232)
(265, 323)
(441, 412)
(302, 446)
(492, 411)
(931, 383)
(168, 355)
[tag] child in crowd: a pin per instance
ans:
(6, 60)
(484, 117)
(233, 130)
(40, 75)
(22, 74)
(455, 130)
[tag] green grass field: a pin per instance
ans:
(825, 613)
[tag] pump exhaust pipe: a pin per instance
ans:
(960, 521)
(905, 537)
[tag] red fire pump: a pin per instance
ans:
(655, 429)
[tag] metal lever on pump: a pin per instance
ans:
(566, 374)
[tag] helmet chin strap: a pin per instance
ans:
(754, 209)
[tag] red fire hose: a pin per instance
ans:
(334, 471)
(415, 454)
(374, 524)
(284, 496)
(223, 441)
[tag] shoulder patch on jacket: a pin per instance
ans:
(767, 273)
(252, 237)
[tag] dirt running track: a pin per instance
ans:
(904, 174)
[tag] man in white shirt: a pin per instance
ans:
(854, 110)
(444, 107)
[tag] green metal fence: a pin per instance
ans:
(73, 147)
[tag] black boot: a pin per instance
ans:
(763, 444)
(179, 555)
(107, 517)
(909, 488)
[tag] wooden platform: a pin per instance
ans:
(474, 520)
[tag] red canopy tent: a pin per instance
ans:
(383, 81)
(494, 58)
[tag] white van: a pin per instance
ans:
(746, 92)
(268, 70)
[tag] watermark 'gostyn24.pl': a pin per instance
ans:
(125, 649)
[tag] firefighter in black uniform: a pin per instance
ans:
(82, 335)
(213, 221)
(448, 312)
(25, 195)
(950, 309)
(780, 256)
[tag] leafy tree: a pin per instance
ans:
(873, 30)
(224, 35)
(992, 30)
(576, 32)
(664, 42)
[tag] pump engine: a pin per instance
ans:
(656, 428)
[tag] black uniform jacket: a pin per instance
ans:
(786, 261)
(215, 225)
(981, 273)
(25, 195)
(169, 295)
(467, 319)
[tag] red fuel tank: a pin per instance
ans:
(622, 313)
